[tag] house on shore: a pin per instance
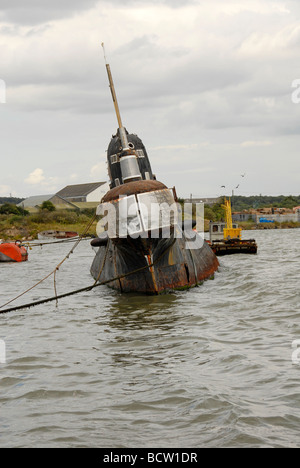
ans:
(72, 197)
(206, 201)
(278, 215)
(239, 216)
(84, 193)
(33, 203)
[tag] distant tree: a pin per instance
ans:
(219, 212)
(10, 200)
(8, 208)
(241, 203)
(209, 213)
(289, 202)
(47, 206)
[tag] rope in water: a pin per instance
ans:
(57, 267)
(87, 288)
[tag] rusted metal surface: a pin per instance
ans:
(133, 188)
(145, 264)
(179, 268)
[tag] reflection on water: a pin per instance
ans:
(135, 321)
(207, 367)
(141, 312)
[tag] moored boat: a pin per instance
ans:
(233, 246)
(225, 238)
(13, 252)
(57, 235)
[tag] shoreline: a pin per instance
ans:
(29, 231)
(26, 229)
(248, 226)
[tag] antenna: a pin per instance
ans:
(102, 43)
(113, 93)
(128, 160)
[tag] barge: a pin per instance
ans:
(225, 238)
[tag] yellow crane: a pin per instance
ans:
(229, 231)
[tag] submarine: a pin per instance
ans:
(143, 245)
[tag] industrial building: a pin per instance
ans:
(71, 197)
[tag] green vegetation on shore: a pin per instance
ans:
(241, 203)
(251, 225)
(10, 200)
(27, 227)
(18, 224)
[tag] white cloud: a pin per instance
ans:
(175, 147)
(33, 12)
(274, 44)
(251, 144)
(36, 177)
(186, 73)
(99, 171)
(38, 180)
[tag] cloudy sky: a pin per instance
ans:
(207, 85)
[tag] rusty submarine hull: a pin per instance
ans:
(143, 246)
(152, 264)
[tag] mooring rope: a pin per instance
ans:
(63, 241)
(57, 267)
(87, 288)
(103, 264)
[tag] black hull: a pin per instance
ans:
(232, 247)
(163, 265)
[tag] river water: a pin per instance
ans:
(209, 367)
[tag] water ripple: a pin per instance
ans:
(207, 367)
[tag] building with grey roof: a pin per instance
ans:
(71, 197)
(35, 201)
(92, 192)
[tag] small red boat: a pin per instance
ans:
(13, 252)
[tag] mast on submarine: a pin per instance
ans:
(128, 158)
